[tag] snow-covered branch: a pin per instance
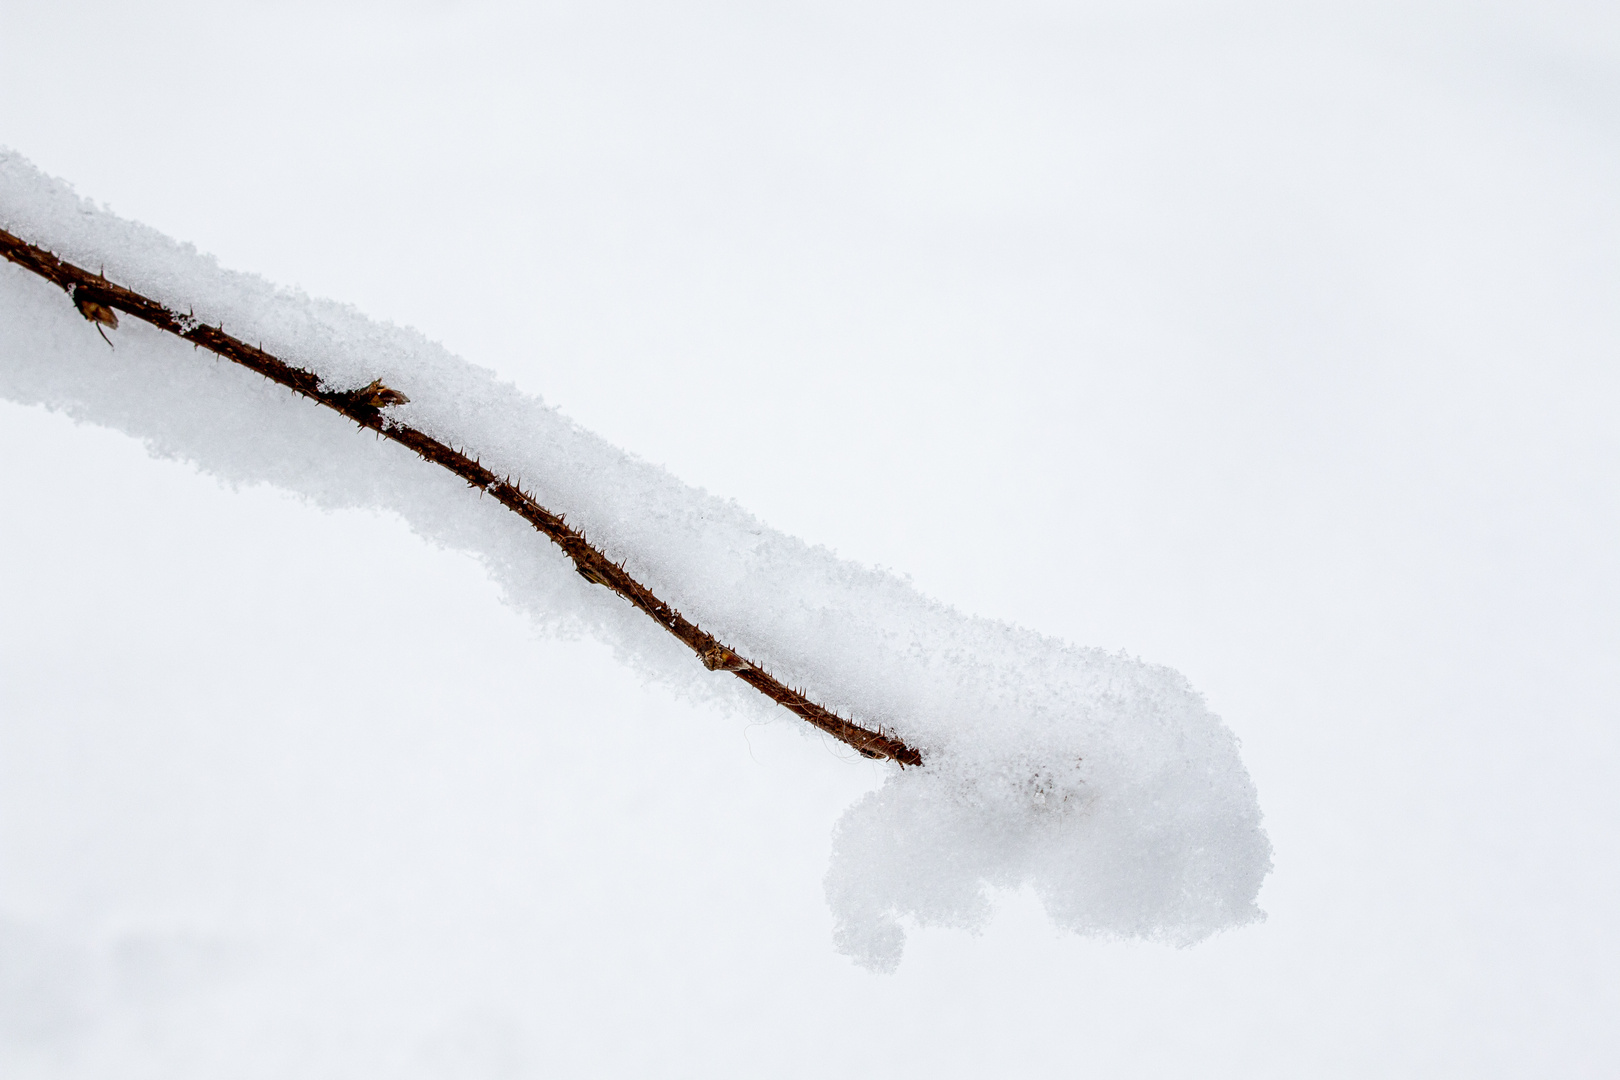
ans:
(98, 299)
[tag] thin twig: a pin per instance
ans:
(97, 299)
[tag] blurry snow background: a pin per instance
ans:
(1284, 338)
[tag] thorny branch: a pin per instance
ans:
(98, 300)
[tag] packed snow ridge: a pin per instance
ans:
(1101, 781)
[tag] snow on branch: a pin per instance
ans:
(1102, 782)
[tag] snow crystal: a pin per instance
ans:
(1101, 781)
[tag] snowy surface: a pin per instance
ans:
(1278, 342)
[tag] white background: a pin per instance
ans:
(1274, 342)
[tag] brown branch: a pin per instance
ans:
(97, 299)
